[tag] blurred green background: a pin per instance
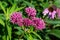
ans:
(14, 32)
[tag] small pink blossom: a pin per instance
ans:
(52, 14)
(31, 12)
(51, 11)
(16, 18)
(38, 23)
(27, 22)
(46, 11)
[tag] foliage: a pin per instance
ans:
(9, 31)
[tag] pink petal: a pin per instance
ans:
(50, 13)
(53, 14)
(58, 12)
(45, 11)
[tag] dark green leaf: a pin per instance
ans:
(19, 32)
(52, 21)
(55, 33)
(28, 4)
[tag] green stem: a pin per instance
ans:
(8, 30)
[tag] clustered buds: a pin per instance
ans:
(16, 18)
(27, 22)
(31, 12)
(38, 23)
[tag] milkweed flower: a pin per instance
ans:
(38, 23)
(31, 12)
(16, 18)
(27, 22)
(51, 11)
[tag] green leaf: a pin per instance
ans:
(7, 14)
(2, 22)
(18, 28)
(18, 9)
(19, 32)
(2, 7)
(31, 28)
(13, 7)
(4, 37)
(57, 3)
(29, 4)
(10, 1)
(52, 21)
(55, 33)
(15, 39)
(58, 25)
(2, 16)
(4, 3)
(47, 38)
(37, 35)
(44, 5)
(30, 37)
(9, 31)
(7, 37)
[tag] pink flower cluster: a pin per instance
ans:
(16, 18)
(31, 12)
(38, 23)
(27, 22)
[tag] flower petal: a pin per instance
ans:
(45, 11)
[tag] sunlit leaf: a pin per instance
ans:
(2, 22)
(18, 9)
(4, 37)
(2, 16)
(4, 4)
(9, 29)
(30, 37)
(7, 37)
(13, 8)
(2, 7)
